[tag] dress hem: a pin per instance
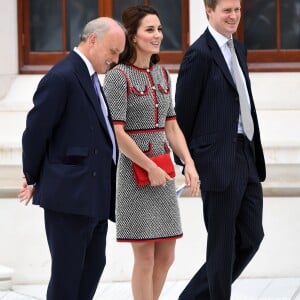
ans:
(150, 240)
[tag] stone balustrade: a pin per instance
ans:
(279, 131)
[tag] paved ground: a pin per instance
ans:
(243, 289)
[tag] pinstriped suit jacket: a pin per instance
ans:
(207, 108)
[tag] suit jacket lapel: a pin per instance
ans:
(109, 118)
(87, 85)
(109, 115)
(242, 63)
(218, 57)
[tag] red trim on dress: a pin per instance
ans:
(150, 240)
(142, 69)
(139, 131)
(153, 88)
(127, 80)
(171, 118)
(145, 92)
(119, 122)
(162, 90)
(165, 75)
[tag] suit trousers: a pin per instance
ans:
(233, 219)
(77, 247)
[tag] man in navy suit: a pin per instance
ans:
(69, 156)
(230, 164)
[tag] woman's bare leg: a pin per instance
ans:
(163, 259)
(141, 282)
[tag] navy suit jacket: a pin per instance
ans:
(67, 151)
(207, 108)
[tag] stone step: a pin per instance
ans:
(5, 278)
(283, 180)
(11, 178)
(281, 148)
(272, 190)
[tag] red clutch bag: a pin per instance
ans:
(163, 161)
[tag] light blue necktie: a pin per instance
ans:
(104, 109)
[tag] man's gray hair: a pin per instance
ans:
(96, 26)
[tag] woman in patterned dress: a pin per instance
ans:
(138, 94)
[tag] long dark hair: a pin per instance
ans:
(131, 19)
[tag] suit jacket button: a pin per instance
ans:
(94, 174)
(96, 151)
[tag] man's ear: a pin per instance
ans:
(92, 39)
(208, 11)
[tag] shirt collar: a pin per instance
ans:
(86, 61)
(220, 38)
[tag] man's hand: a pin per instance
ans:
(26, 192)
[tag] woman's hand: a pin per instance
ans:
(192, 178)
(158, 176)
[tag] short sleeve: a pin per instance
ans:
(171, 111)
(115, 90)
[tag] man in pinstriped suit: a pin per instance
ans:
(230, 165)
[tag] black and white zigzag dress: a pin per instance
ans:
(140, 99)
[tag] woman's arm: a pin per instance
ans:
(179, 146)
